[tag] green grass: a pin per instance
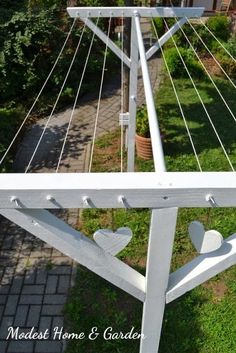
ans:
(204, 320)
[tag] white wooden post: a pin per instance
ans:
(161, 238)
(132, 97)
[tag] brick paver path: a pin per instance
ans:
(35, 278)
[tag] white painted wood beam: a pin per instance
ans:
(156, 46)
(103, 190)
(161, 238)
(74, 244)
(201, 269)
(130, 11)
(133, 88)
(108, 41)
(157, 150)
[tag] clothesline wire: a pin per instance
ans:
(39, 94)
(76, 98)
(57, 99)
(221, 44)
(122, 98)
(213, 56)
(178, 101)
(202, 103)
(207, 72)
(99, 97)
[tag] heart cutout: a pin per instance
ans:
(113, 242)
(204, 241)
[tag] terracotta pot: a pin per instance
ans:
(143, 147)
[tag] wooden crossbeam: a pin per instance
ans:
(156, 46)
(131, 11)
(139, 190)
(201, 269)
(74, 244)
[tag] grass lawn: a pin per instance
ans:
(203, 320)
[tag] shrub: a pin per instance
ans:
(175, 64)
(9, 121)
(225, 60)
(220, 26)
(159, 26)
(231, 46)
(142, 124)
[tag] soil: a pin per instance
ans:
(218, 288)
(211, 66)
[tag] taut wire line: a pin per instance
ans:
(55, 104)
(99, 97)
(225, 49)
(179, 103)
(208, 74)
(76, 99)
(122, 99)
(214, 58)
(203, 105)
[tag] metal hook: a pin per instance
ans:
(122, 199)
(87, 201)
(15, 200)
(211, 200)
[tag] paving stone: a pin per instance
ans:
(33, 289)
(3, 299)
(21, 315)
(41, 277)
(4, 289)
(45, 323)
(51, 286)
(2, 307)
(49, 347)
(12, 301)
(54, 299)
(60, 270)
(58, 321)
(6, 322)
(55, 252)
(62, 260)
(16, 285)
(64, 284)
(8, 274)
(51, 310)
(31, 299)
(3, 346)
(30, 276)
(33, 315)
(7, 243)
(21, 346)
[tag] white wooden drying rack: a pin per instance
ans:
(24, 198)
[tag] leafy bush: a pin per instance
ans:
(175, 64)
(142, 125)
(227, 63)
(231, 46)
(9, 122)
(29, 48)
(159, 26)
(224, 58)
(220, 26)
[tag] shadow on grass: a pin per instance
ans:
(94, 302)
(201, 129)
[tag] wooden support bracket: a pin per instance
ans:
(74, 244)
(201, 269)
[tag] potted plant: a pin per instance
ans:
(142, 138)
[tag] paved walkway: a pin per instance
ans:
(35, 278)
